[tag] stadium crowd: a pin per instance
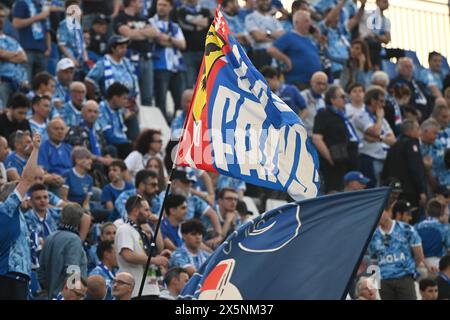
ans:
(82, 185)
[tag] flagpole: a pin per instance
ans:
(169, 183)
(161, 211)
(153, 243)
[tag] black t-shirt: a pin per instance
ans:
(195, 39)
(98, 43)
(334, 132)
(105, 7)
(331, 127)
(135, 23)
(7, 127)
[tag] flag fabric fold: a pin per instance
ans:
(304, 250)
(237, 127)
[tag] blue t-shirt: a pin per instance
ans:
(304, 55)
(72, 40)
(43, 227)
(13, 161)
(393, 250)
(79, 186)
(183, 258)
(70, 114)
(196, 206)
(122, 72)
(435, 237)
(176, 127)
(171, 232)
(292, 97)
(55, 159)
(10, 231)
(108, 275)
(33, 36)
(121, 200)
(168, 58)
(111, 193)
(112, 123)
(11, 70)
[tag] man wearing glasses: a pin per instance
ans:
(226, 211)
(122, 286)
(336, 140)
(397, 247)
(146, 185)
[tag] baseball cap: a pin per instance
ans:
(355, 176)
(116, 40)
(395, 184)
(64, 64)
(402, 206)
(183, 176)
(100, 19)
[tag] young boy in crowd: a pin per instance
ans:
(116, 174)
(78, 183)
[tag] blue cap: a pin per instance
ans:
(355, 176)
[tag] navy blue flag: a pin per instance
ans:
(304, 250)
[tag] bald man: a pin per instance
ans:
(419, 99)
(315, 99)
(54, 154)
(96, 288)
(123, 286)
(298, 52)
(70, 112)
(89, 135)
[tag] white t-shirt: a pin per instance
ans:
(135, 162)
(351, 111)
(128, 237)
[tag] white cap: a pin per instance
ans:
(64, 64)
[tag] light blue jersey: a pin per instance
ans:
(393, 250)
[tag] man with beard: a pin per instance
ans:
(15, 117)
(146, 186)
(132, 245)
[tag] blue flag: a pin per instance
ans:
(237, 127)
(303, 250)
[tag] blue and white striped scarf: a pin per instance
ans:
(108, 73)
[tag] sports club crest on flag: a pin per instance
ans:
(237, 127)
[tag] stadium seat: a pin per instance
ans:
(415, 59)
(445, 66)
(389, 68)
(251, 206)
(152, 118)
(274, 203)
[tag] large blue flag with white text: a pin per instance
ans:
(237, 126)
(304, 250)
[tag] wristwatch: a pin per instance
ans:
(269, 33)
